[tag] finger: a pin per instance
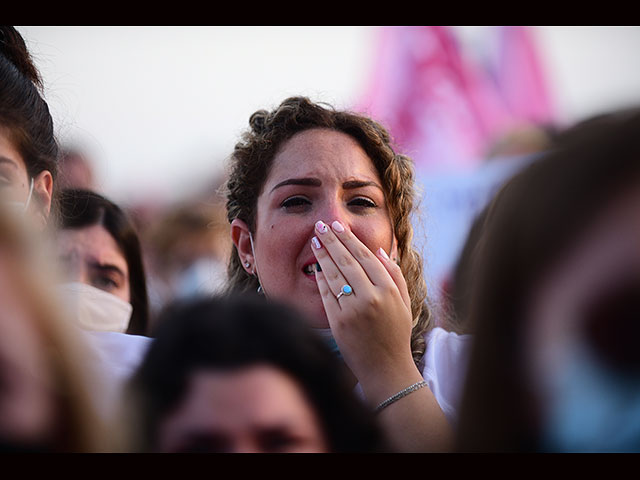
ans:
(331, 305)
(331, 274)
(395, 272)
(343, 267)
(366, 259)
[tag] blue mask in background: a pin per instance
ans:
(593, 408)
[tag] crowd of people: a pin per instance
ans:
(294, 316)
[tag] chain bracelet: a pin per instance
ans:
(400, 394)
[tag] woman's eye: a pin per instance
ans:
(5, 183)
(105, 283)
(296, 204)
(362, 202)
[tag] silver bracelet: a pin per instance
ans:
(400, 394)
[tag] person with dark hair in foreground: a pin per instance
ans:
(243, 374)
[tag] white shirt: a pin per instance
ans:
(115, 357)
(445, 366)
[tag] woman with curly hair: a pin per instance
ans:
(320, 209)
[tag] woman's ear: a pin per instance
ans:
(241, 236)
(42, 195)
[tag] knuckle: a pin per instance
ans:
(373, 302)
(333, 275)
(345, 260)
(329, 239)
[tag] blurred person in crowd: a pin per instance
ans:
(187, 249)
(103, 288)
(456, 292)
(100, 251)
(29, 155)
(45, 400)
(522, 140)
(28, 147)
(75, 169)
(320, 208)
(555, 365)
(244, 375)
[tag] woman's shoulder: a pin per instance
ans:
(446, 340)
(444, 366)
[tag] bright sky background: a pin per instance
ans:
(159, 108)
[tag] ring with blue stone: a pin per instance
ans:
(346, 290)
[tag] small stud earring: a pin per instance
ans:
(247, 264)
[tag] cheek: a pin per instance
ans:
(124, 292)
(373, 235)
(281, 241)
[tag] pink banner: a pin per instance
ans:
(443, 108)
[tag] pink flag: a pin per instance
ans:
(442, 108)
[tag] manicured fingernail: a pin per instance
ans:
(321, 226)
(337, 226)
(383, 253)
(316, 243)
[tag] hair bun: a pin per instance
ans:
(13, 47)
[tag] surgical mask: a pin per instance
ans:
(327, 335)
(95, 309)
(20, 208)
(592, 407)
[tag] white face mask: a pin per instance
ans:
(95, 309)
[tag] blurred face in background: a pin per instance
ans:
(14, 180)
(90, 255)
(584, 327)
(16, 187)
(256, 409)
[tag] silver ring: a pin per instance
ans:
(346, 290)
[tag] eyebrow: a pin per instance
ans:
(351, 184)
(312, 182)
(315, 182)
(7, 160)
(107, 268)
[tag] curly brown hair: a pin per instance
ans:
(250, 164)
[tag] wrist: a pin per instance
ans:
(380, 386)
(401, 394)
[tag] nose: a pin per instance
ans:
(332, 210)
